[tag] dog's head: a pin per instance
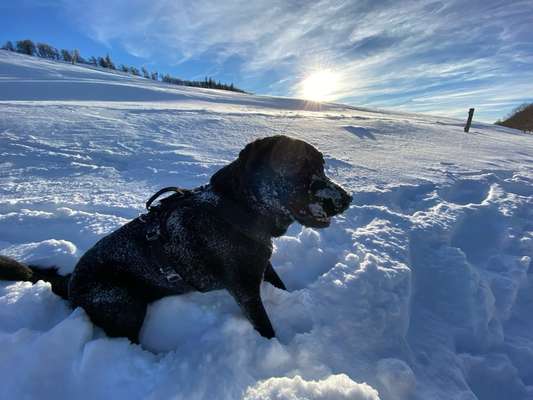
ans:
(283, 178)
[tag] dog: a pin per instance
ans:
(217, 236)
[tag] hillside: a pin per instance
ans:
(521, 118)
(422, 290)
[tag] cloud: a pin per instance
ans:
(386, 53)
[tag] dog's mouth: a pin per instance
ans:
(312, 216)
(325, 201)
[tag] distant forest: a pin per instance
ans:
(44, 50)
(520, 118)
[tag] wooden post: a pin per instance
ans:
(469, 121)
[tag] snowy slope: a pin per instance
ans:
(422, 290)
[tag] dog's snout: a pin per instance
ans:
(346, 198)
(333, 197)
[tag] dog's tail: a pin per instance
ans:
(11, 270)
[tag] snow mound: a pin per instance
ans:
(48, 253)
(423, 289)
(334, 387)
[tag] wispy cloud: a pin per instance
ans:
(431, 56)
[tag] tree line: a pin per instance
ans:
(44, 50)
(520, 118)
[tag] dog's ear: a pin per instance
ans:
(234, 177)
(226, 179)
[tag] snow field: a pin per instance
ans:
(421, 290)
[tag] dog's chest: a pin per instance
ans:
(207, 250)
(198, 250)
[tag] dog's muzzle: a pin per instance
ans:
(326, 200)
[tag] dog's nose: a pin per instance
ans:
(346, 199)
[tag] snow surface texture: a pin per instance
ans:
(422, 290)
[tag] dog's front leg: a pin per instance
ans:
(249, 299)
(272, 277)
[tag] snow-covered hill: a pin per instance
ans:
(422, 290)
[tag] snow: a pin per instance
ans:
(423, 289)
(335, 387)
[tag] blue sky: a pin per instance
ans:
(420, 56)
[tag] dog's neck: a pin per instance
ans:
(250, 216)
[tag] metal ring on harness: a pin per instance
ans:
(159, 193)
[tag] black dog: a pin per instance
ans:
(217, 236)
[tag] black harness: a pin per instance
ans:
(159, 214)
(246, 222)
(157, 233)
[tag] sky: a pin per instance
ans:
(418, 56)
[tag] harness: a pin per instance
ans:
(157, 232)
(162, 211)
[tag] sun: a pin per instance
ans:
(320, 85)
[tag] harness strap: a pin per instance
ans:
(156, 219)
(156, 234)
(159, 193)
(171, 275)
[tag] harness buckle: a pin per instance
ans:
(171, 275)
(153, 234)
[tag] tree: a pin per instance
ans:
(102, 62)
(109, 62)
(124, 68)
(44, 50)
(8, 46)
(26, 47)
(155, 76)
(520, 118)
(145, 73)
(55, 54)
(66, 55)
(75, 56)
(134, 71)
(93, 61)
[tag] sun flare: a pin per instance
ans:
(320, 85)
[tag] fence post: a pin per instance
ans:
(469, 121)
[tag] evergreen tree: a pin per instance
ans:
(44, 50)
(66, 56)
(93, 61)
(124, 68)
(102, 62)
(8, 46)
(26, 47)
(54, 53)
(145, 73)
(155, 76)
(109, 63)
(75, 56)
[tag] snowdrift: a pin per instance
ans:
(422, 290)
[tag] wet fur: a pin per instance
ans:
(219, 237)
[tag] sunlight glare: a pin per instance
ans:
(320, 85)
